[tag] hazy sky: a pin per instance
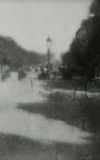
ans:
(29, 22)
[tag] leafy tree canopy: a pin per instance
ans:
(15, 56)
(84, 53)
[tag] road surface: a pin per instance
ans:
(18, 126)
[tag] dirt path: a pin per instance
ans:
(32, 126)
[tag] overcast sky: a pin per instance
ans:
(29, 22)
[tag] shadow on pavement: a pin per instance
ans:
(63, 108)
(58, 106)
(83, 113)
(13, 147)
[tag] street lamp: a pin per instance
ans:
(48, 55)
(49, 42)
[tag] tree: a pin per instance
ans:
(84, 52)
(15, 56)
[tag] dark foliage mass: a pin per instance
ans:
(83, 57)
(14, 56)
(95, 7)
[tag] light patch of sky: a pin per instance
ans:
(30, 22)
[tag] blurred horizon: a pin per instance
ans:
(30, 22)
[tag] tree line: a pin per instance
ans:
(83, 57)
(15, 56)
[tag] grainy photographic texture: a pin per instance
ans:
(49, 79)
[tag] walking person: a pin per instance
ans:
(31, 82)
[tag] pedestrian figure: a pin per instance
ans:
(75, 90)
(31, 81)
(83, 121)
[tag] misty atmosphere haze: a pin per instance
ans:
(49, 79)
(30, 22)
